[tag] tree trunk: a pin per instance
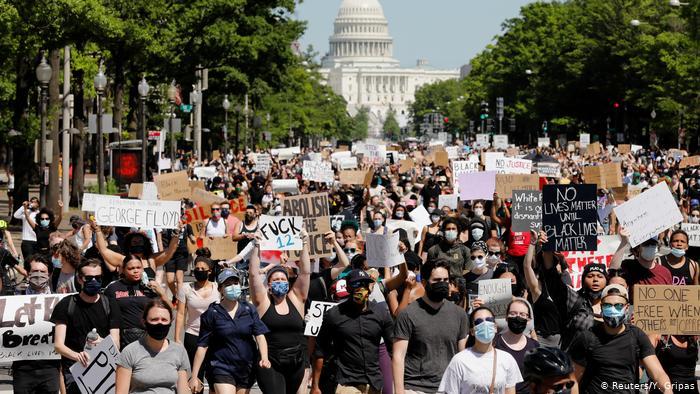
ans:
(78, 145)
(119, 83)
(53, 189)
(22, 157)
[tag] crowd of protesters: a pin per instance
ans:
(418, 327)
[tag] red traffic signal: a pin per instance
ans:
(446, 119)
(616, 105)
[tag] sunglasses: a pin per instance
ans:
(215, 209)
(349, 250)
(494, 253)
(619, 307)
(480, 320)
(44, 218)
(561, 386)
(90, 278)
(475, 257)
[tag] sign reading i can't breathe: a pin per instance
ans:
(280, 232)
(569, 217)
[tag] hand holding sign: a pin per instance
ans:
(280, 232)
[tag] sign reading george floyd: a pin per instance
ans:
(527, 210)
(280, 232)
(569, 217)
(137, 213)
(667, 310)
(313, 208)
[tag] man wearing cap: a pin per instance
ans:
(351, 334)
(607, 358)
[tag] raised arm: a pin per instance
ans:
(533, 284)
(168, 254)
(27, 216)
(58, 215)
(258, 293)
(343, 261)
(301, 286)
(110, 257)
(616, 261)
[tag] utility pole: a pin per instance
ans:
(67, 99)
(499, 112)
(245, 112)
(198, 115)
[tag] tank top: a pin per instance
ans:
(286, 331)
(245, 230)
(679, 363)
(681, 276)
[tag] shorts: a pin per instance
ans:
(228, 379)
(177, 264)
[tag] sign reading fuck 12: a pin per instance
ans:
(280, 232)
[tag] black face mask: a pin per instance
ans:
(201, 276)
(139, 249)
(516, 324)
(515, 290)
(456, 298)
(437, 292)
(593, 295)
(157, 331)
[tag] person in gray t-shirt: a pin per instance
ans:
(428, 333)
(153, 364)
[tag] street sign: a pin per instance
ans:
(177, 125)
(186, 108)
(106, 124)
(153, 135)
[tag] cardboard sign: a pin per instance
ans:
(222, 248)
(197, 185)
(263, 163)
(512, 152)
(314, 317)
(442, 159)
(382, 250)
(313, 208)
(405, 166)
(548, 170)
(347, 163)
(174, 186)
(624, 148)
(500, 141)
(508, 165)
(27, 333)
(89, 200)
(507, 183)
(569, 217)
(280, 232)
(693, 231)
(205, 199)
(526, 210)
(594, 149)
(100, 375)
(605, 176)
(448, 200)
(477, 186)
(413, 229)
(496, 294)
(693, 161)
(584, 140)
(135, 190)
(667, 310)
(543, 142)
(336, 222)
(363, 178)
(607, 246)
(138, 213)
(285, 186)
(648, 214)
(482, 141)
(318, 171)
(215, 154)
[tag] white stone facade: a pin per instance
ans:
(360, 66)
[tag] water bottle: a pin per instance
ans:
(92, 336)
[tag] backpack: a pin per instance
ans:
(72, 305)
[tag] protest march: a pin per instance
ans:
(289, 272)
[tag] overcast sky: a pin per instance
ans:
(448, 33)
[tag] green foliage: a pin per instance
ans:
(391, 127)
(360, 124)
(111, 187)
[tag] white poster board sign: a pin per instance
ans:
(280, 232)
(376, 154)
(449, 200)
(452, 152)
(693, 231)
(347, 163)
(90, 198)
(412, 229)
(336, 156)
(263, 163)
(99, 377)
(420, 216)
(648, 214)
(205, 172)
(137, 213)
(482, 141)
(164, 164)
(500, 141)
(149, 191)
(584, 140)
(285, 186)
(318, 171)
(463, 167)
(508, 165)
(314, 317)
(496, 294)
(382, 250)
(543, 142)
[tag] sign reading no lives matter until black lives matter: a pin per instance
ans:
(313, 208)
(569, 217)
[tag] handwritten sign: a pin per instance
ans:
(205, 172)
(405, 166)
(693, 231)
(363, 178)
(413, 229)
(477, 186)
(285, 186)
(314, 317)
(314, 210)
(500, 141)
(527, 210)
(420, 216)
(382, 250)
(137, 213)
(594, 149)
(441, 159)
(135, 190)
(482, 141)
(205, 199)
(89, 200)
(668, 310)
(693, 161)
(336, 222)
(376, 154)
(496, 294)
(318, 171)
(648, 214)
(347, 163)
(606, 176)
(506, 183)
(100, 375)
(543, 142)
(174, 186)
(508, 165)
(548, 170)
(460, 167)
(448, 200)
(569, 217)
(624, 148)
(263, 163)
(452, 152)
(280, 232)
(222, 248)
(584, 140)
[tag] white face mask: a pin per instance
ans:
(477, 233)
(479, 211)
(451, 235)
(479, 262)
(694, 219)
(399, 214)
(648, 253)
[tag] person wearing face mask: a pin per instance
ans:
(481, 217)
(609, 355)
(36, 376)
(428, 329)
(28, 236)
(64, 259)
(378, 221)
(400, 213)
(481, 368)
(449, 248)
(153, 363)
(232, 337)
(356, 355)
(513, 341)
(684, 270)
(231, 220)
(482, 269)
(429, 235)
(215, 225)
(45, 224)
(678, 355)
(320, 286)
(77, 315)
(245, 232)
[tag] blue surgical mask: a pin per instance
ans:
(451, 235)
(378, 223)
(485, 331)
(44, 223)
(56, 261)
(233, 292)
(613, 317)
(677, 252)
(280, 288)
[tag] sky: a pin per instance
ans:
(448, 33)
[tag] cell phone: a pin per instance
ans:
(144, 278)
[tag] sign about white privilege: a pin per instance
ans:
(90, 198)
(314, 317)
(318, 171)
(100, 375)
(383, 250)
(648, 214)
(280, 232)
(27, 333)
(137, 213)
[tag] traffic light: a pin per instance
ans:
(446, 119)
(512, 125)
(545, 126)
(484, 110)
(489, 125)
(499, 107)
(616, 105)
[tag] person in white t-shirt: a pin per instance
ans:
(474, 370)
(28, 234)
(216, 225)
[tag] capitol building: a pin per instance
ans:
(360, 66)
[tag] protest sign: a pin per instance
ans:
(314, 317)
(584, 140)
(500, 141)
(667, 310)
(496, 294)
(548, 170)
(347, 163)
(89, 200)
(452, 152)
(164, 164)
(197, 217)
(137, 213)
(263, 162)
(506, 183)
(607, 246)
(222, 248)
(508, 165)
(205, 199)
(482, 141)
(313, 208)
(318, 171)
(149, 191)
(512, 152)
(376, 154)
(624, 148)
(356, 177)
(527, 210)
(420, 216)
(463, 167)
(441, 159)
(489, 157)
(543, 142)
(648, 214)
(100, 375)
(594, 149)
(413, 229)
(477, 186)
(693, 231)
(636, 148)
(405, 166)
(448, 200)
(197, 185)
(336, 222)
(280, 232)
(286, 153)
(27, 333)
(605, 176)
(135, 190)
(693, 161)
(174, 186)
(285, 186)
(382, 250)
(205, 172)
(569, 217)
(336, 156)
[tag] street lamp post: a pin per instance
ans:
(100, 83)
(43, 75)
(172, 93)
(143, 92)
(238, 115)
(226, 105)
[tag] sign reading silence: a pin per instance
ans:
(569, 217)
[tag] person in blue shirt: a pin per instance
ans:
(228, 334)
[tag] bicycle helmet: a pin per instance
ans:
(3, 225)
(546, 362)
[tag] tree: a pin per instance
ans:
(391, 127)
(360, 125)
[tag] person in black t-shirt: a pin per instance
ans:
(176, 267)
(89, 310)
(45, 224)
